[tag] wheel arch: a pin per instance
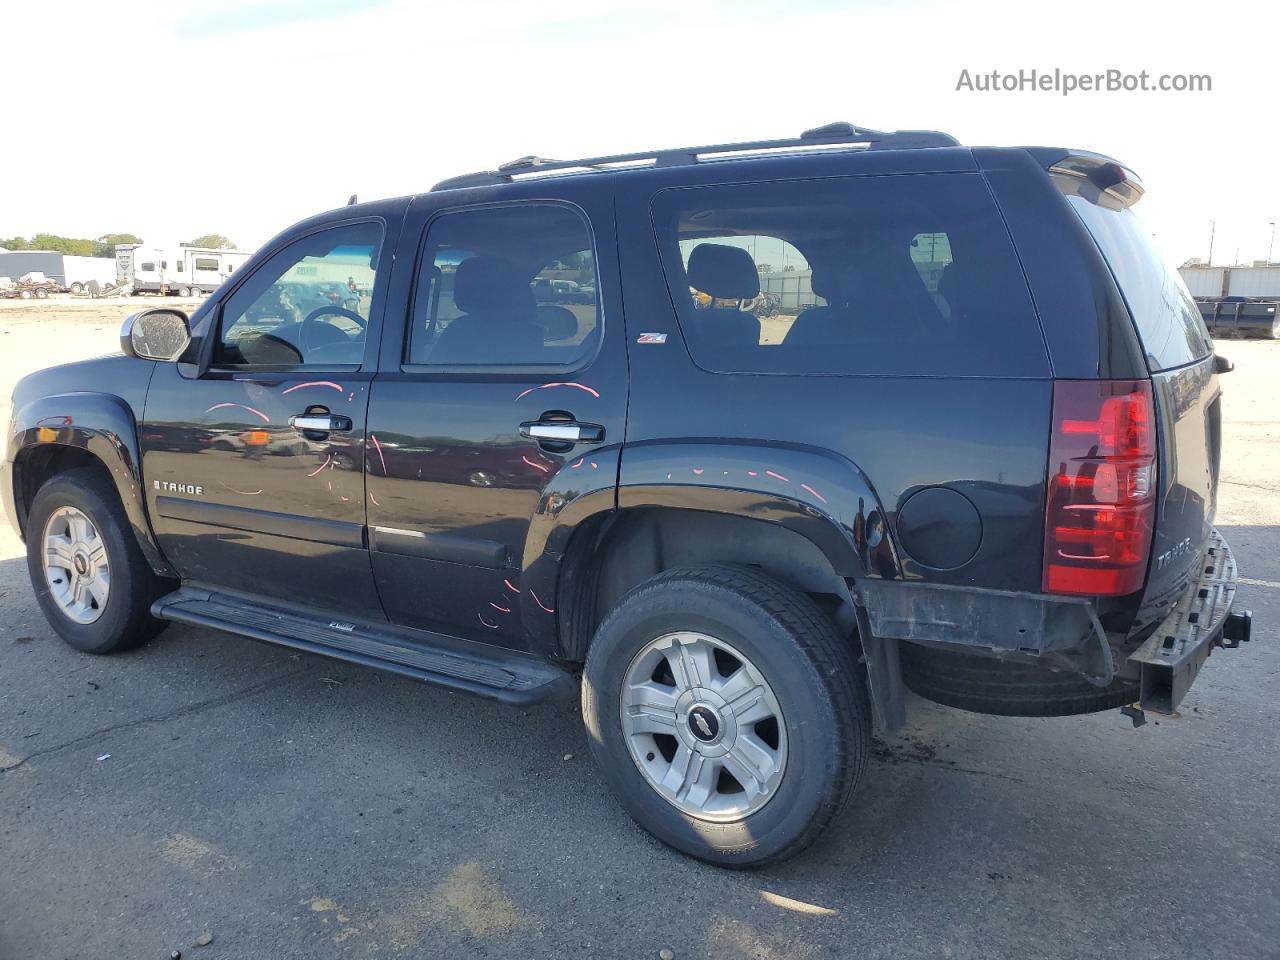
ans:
(56, 433)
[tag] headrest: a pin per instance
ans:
(723, 272)
(492, 285)
(835, 284)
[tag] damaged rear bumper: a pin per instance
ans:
(1171, 658)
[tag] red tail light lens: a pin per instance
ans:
(1102, 496)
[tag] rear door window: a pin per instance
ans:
(910, 275)
(506, 286)
(1169, 324)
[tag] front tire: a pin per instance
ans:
(726, 713)
(90, 578)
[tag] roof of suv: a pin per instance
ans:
(832, 136)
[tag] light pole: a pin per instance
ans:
(1212, 226)
(1272, 242)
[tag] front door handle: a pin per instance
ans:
(320, 423)
(562, 431)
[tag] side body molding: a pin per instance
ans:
(100, 424)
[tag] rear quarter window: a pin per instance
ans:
(910, 275)
(1169, 323)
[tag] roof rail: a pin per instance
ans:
(831, 134)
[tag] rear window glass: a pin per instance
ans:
(909, 275)
(1169, 324)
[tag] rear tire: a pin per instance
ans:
(77, 287)
(122, 620)
(41, 293)
(801, 673)
(184, 292)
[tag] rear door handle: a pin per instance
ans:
(320, 423)
(562, 431)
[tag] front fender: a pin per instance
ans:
(100, 424)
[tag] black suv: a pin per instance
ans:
(749, 437)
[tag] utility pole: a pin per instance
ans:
(1272, 242)
(1212, 226)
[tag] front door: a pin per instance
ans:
(504, 401)
(254, 464)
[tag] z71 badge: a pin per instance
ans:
(191, 489)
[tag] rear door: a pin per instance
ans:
(244, 493)
(1179, 354)
(491, 357)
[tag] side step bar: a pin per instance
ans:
(491, 672)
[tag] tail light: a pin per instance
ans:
(1101, 500)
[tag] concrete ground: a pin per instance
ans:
(291, 806)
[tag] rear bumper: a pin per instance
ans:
(1171, 657)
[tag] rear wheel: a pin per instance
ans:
(184, 292)
(726, 713)
(77, 287)
(41, 293)
(89, 575)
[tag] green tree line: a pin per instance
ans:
(103, 246)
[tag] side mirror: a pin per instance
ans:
(160, 334)
(1221, 364)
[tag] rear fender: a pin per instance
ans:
(819, 495)
(100, 424)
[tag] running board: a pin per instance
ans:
(487, 671)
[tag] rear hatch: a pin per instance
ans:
(1179, 355)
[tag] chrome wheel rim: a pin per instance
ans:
(75, 565)
(703, 726)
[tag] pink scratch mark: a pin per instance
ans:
(752, 473)
(330, 482)
(594, 465)
(313, 383)
(374, 500)
(539, 602)
(668, 476)
(497, 607)
(805, 486)
(698, 471)
(548, 386)
(491, 626)
(536, 466)
(256, 413)
(351, 396)
(777, 476)
(321, 467)
(575, 466)
(377, 446)
(511, 586)
(243, 493)
(345, 499)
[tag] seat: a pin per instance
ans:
(498, 325)
(723, 272)
(831, 324)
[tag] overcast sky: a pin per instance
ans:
(175, 119)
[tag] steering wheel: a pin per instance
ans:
(306, 343)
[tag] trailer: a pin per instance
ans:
(62, 270)
(182, 270)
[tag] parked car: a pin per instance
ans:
(983, 465)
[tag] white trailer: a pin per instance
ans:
(183, 270)
(70, 273)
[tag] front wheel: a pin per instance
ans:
(89, 575)
(728, 716)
